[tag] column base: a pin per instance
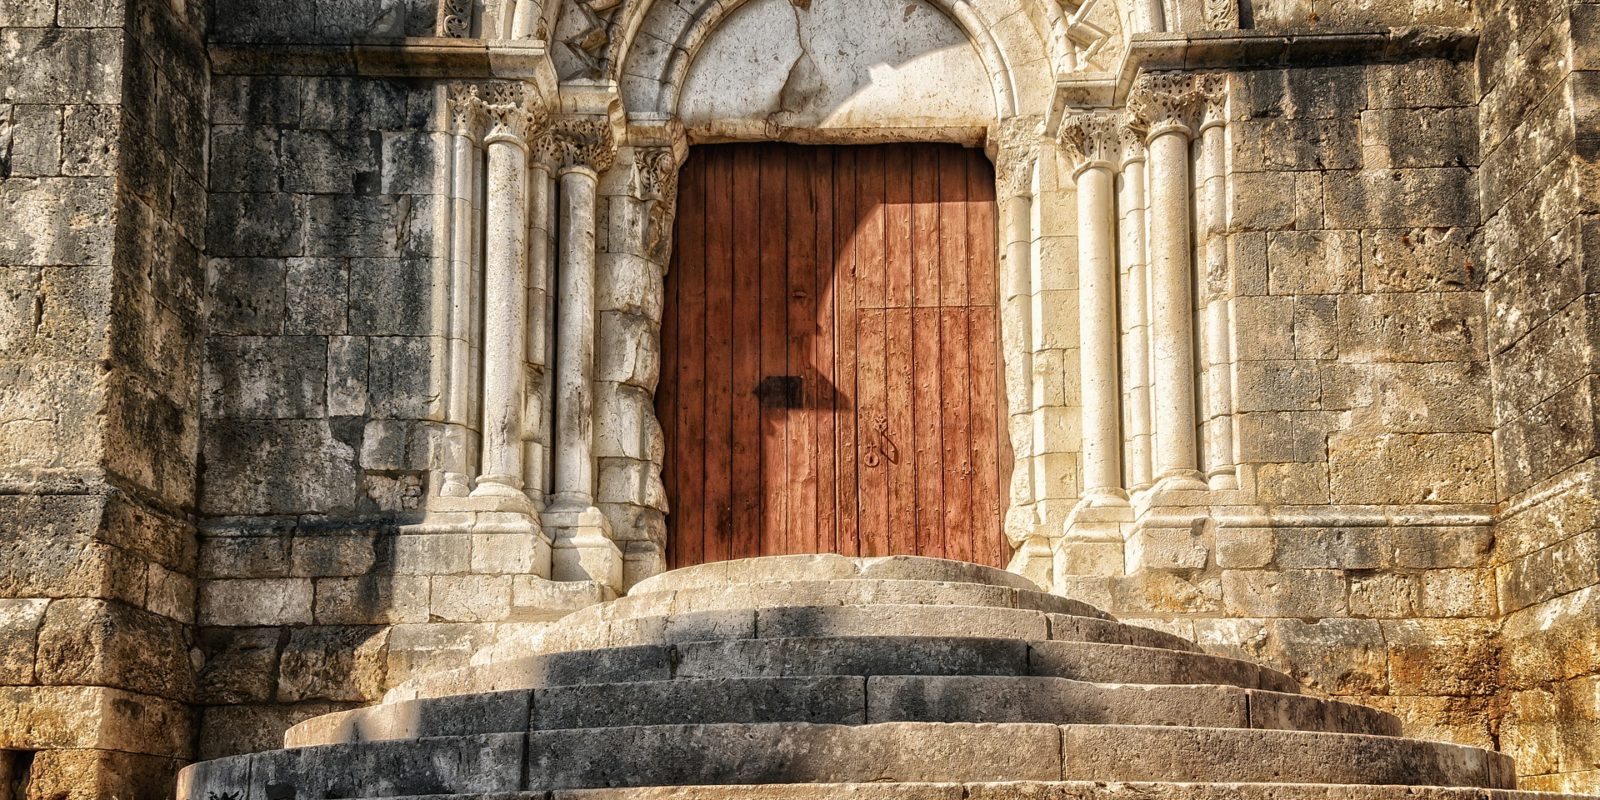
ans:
(582, 549)
(1033, 561)
(1183, 480)
(500, 536)
(1223, 480)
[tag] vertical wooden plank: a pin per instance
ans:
(774, 351)
(820, 394)
(872, 424)
(983, 277)
(953, 201)
(801, 307)
(988, 415)
(899, 394)
(957, 463)
(927, 450)
(692, 387)
(688, 223)
(847, 398)
(745, 197)
(719, 356)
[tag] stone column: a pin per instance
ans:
(467, 122)
(1134, 265)
(1091, 140)
(582, 548)
(1217, 323)
(1164, 103)
(513, 114)
(537, 434)
(527, 20)
(1150, 16)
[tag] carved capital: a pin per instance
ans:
(1091, 139)
(1130, 142)
(515, 112)
(1214, 99)
(1163, 102)
(467, 117)
(579, 143)
(1016, 145)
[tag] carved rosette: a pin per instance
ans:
(1016, 151)
(467, 117)
(1214, 98)
(657, 168)
(455, 18)
(515, 112)
(1091, 139)
(1164, 102)
(581, 143)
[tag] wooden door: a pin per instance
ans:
(830, 375)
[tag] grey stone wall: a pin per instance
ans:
(102, 154)
(1539, 67)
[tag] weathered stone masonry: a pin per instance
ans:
(329, 333)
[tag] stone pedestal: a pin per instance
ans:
(583, 549)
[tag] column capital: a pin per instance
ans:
(467, 116)
(1164, 102)
(1130, 138)
(1091, 139)
(656, 169)
(515, 111)
(579, 143)
(1015, 149)
(1213, 90)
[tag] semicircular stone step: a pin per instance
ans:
(864, 656)
(842, 700)
(861, 592)
(776, 753)
(830, 567)
(874, 620)
(1030, 790)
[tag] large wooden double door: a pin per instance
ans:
(830, 362)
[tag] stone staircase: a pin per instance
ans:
(824, 676)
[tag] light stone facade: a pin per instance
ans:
(330, 332)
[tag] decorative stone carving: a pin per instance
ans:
(657, 169)
(592, 44)
(455, 18)
(581, 142)
(515, 111)
(1130, 141)
(1092, 138)
(1164, 101)
(467, 115)
(1213, 89)
(1016, 143)
(1222, 15)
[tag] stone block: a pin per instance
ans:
(1408, 198)
(393, 297)
(412, 161)
(1332, 548)
(482, 764)
(347, 375)
(262, 225)
(264, 553)
(324, 554)
(246, 296)
(432, 554)
(1458, 593)
(1543, 362)
(1384, 596)
(470, 598)
(19, 630)
(422, 649)
(1286, 593)
(1420, 260)
(1259, 324)
(341, 103)
(375, 599)
(333, 663)
(368, 226)
(1244, 548)
(284, 466)
(62, 65)
(1555, 435)
(1332, 656)
(1412, 327)
(1166, 549)
(1417, 138)
(90, 140)
(1411, 468)
(27, 13)
(835, 700)
(265, 377)
(330, 162)
(254, 99)
(1441, 657)
(238, 664)
(1278, 386)
(46, 215)
(248, 602)
(1294, 436)
(245, 158)
(1439, 397)
(98, 643)
(1563, 567)
(316, 295)
(1443, 547)
(91, 774)
(1304, 483)
(34, 133)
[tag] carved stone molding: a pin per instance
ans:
(515, 112)
(657, 169)
(1162, 102)
(455, 18)
(580, 143)
(1092, 138)
(1222, 15)
(1016, 146)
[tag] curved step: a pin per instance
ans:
(874, 620)
(811, 656)
(776, 753)
(830, 567)
(841, 700)
(1023, 790)
(859, 592)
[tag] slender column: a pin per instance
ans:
(1134, 265)
(1217, 322)
(1091, 140)
(1151, 17)
(527, 20)
(1164, 103)
(538, 434)
(467, 121)
(583, 549)
(511, 113)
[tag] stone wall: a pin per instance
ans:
(1539, 68)
(102, 155)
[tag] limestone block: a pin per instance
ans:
(1410, 468)
(1458, 593)
(1441, 657)
(315, 295)
(1415, 138)
(369, 226)
(1259, 324)
(1166, 549)
(1440, 397)
(1411, 327)
(170, 594)
(246, 296)
(1541, 363)
(837, 700)
(34, 132)
(1334, 656)
(1443, 547)
(1279, 386)
(1286, 593)
(92, 717)
(629, 284)
(1335, 548)
(393, 297)
(265, 377)
(628, 350)
(90, 140)
(28, 13)
(625, 424)
(238, 665)
(259, 99)
(1313, 262)
(19, 629)
(373, 599)
(267, 601)
(1384, 595)
(328, 553)
(421, 649)
(284, 466)
(93, 642)
(1158, 593)
(1293, 484)
(1244, 548)
(1536, 285)
(264, 554)
(1563, 567)
(1293, 436)
(90, 774)
(245, 158)
(255, 224)
(44, 210)
(1431, 82)
(469, 598)
(1259, 202)
(347, 376)
(401, 445)
(1553, 436)
(538, 599)
(68, 65)
(1268, 145)
(468, 765)
(432, 554)
(802, 656)
(343, 103)
(333, 663)
(1441, 197)
(229, 730)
